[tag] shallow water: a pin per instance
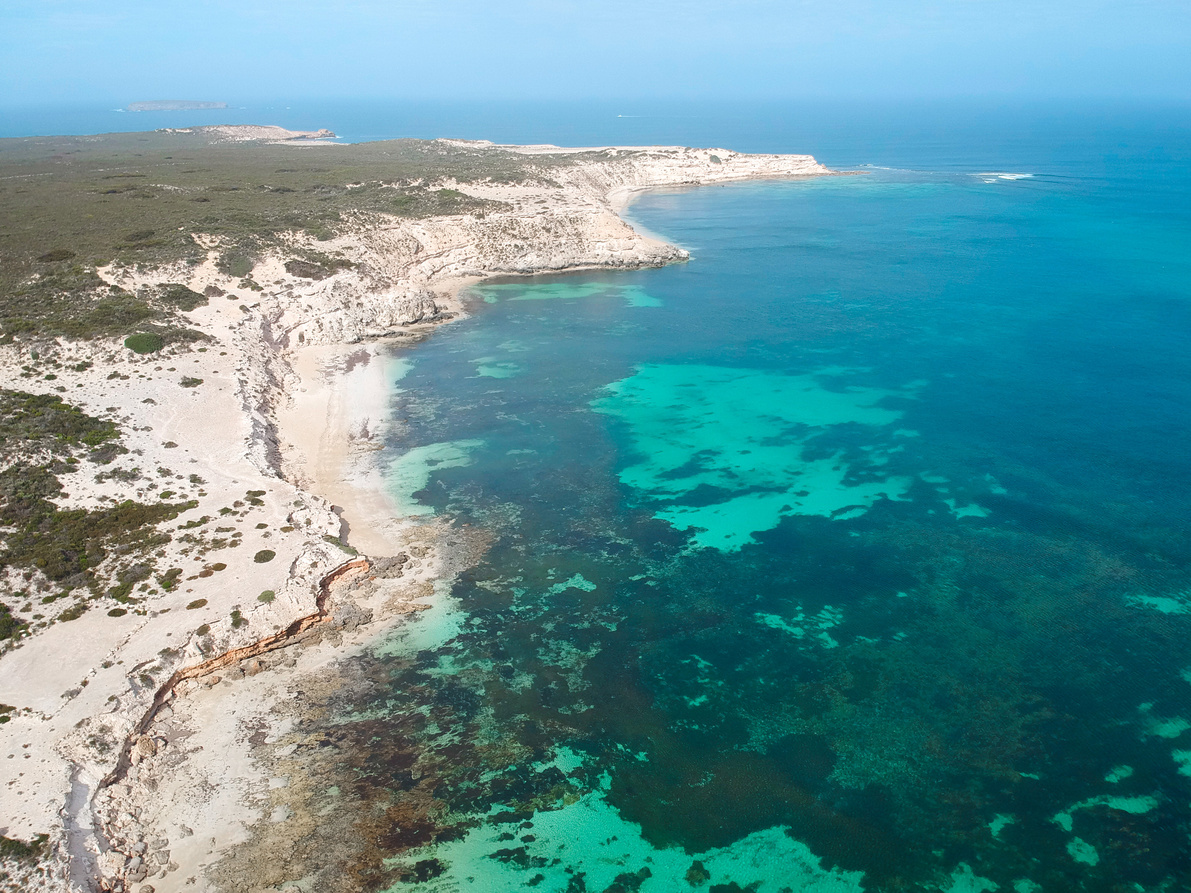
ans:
(852, 554)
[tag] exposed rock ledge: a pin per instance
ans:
(567, 222)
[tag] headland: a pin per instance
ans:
(193, 394)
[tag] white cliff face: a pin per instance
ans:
(568, 221)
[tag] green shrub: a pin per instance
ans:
(56, 255)
(74, 612)
(189, 382)
(197, 603)
(169, 580)
(235, 263)
(180, 297)
(266, 597)
(203, 630)
(264, 555)
(144, 342)
(11, 848)
(117, 313)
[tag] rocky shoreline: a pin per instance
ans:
(128, 797)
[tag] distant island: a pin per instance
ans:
(173, 105)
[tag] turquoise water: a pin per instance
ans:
(851, 555)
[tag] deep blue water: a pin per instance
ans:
(1093, 138)
(853, 554)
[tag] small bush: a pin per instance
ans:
(266, 597)
(188, 382)
(117, 612)
(306, 270)
(203, 630)
(236, 264)
(264, 555)
(9, 625)
(169, 580)
(18, 849)
(56, 255)
(74, 612)
(197, 603)
(181, 297)
(144, 342)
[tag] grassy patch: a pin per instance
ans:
(74, 612)
(169, 580)
(236, 263)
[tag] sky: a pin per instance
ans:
(67, 51)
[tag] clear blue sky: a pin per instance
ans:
(88, 50)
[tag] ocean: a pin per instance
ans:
(853, 554)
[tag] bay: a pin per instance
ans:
(851, 554)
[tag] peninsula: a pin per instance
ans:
(190, 390)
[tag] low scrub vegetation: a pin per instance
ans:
(71, 204)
